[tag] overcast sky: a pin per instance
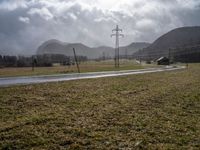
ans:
(25, 24)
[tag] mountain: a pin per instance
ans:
(133, 47)
(52, 46)
(104, 51)
(176, 39)
(58, 47)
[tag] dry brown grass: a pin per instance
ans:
(150, 111)
(90, 66)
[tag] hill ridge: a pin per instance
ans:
(57, 47)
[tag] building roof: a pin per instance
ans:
(162, 58)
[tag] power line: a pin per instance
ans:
(117, 34)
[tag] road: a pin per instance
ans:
(10, 81)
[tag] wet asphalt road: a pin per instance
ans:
(10, 81)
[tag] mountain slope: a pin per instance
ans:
(176, 39)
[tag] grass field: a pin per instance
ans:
(90, 66)
(148, 111)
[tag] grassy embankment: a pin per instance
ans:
(149, 111)
(90, 66)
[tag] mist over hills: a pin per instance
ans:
(57, 47)
(176, 39)
(133, 47)
(6, 52)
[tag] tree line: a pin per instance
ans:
(179, 54)
(46, 60)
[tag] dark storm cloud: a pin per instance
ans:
(25, 24)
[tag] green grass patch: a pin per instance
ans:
(148, 111)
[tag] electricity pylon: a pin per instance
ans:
(117, 35)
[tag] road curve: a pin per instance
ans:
(9, 81)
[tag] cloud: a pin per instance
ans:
(24, 19)
(25, 24)
(12, 5)
(73, 16)
(43, 12)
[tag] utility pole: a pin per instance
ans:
(76, 60)
(140, 56)
(187, 58)
(126, 53)
(169, 55)
(34, 61)
(117, 35)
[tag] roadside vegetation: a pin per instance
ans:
(147, 111)
(89, 66)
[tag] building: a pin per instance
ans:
(163, 61)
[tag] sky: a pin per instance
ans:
(25, 24)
